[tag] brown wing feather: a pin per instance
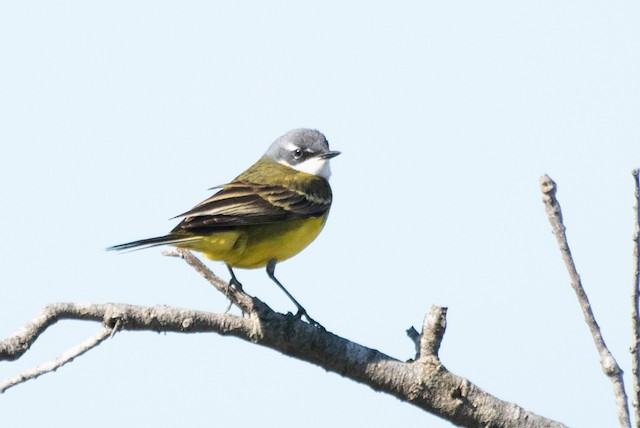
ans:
(240, 203)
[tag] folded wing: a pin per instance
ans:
(242, 203)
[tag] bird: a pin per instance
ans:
(264, 216)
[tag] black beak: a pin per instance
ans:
(329, 155)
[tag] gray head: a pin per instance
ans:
(306, 150)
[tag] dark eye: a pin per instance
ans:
(297, 154)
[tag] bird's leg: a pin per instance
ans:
(233, 282)
(271, 267)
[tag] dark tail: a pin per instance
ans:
(153, 242)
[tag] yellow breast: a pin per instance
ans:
(252, 246)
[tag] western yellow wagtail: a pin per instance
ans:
(267, 214)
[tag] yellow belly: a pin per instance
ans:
(253, 246)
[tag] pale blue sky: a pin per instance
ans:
(116, 116)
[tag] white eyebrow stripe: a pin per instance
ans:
(290, 146)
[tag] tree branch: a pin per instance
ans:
(246, 303)
(65, 358)
(609, 364)
(425, 383)
(433, 328)
(635, 302)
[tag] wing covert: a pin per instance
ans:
(242, 203)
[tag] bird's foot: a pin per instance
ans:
(303, 313)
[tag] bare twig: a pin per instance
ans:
(237, 297)
(414, 336)
(428, 342)
(433, 328)
(635, 303)
(63, 359)
(608, 362)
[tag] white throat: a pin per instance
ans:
(314, 166)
